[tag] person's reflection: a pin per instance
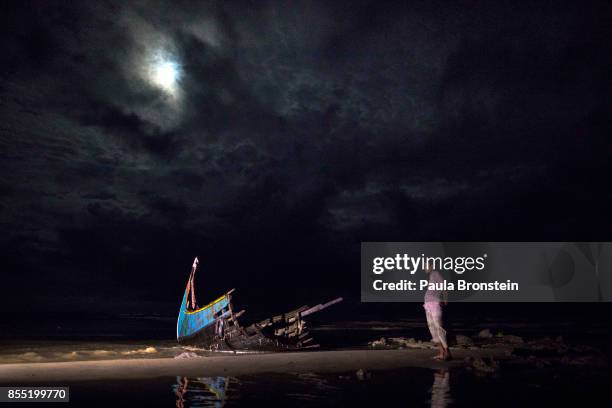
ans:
(440, 390)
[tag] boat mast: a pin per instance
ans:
(190, 283)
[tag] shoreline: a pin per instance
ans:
(234, 365)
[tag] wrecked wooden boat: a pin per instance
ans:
(216, 325)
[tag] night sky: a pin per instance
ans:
(271, 138)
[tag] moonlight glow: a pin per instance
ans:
(165, 73)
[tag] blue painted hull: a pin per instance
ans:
(199, 325)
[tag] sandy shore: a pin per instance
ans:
(318, 361)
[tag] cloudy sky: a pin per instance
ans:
(272, 138)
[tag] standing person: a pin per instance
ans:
(433, 312)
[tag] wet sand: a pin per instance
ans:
(233, 365)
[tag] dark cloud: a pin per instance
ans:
(294, 133)
(100, 196)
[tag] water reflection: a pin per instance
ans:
(305, 389)
(202, 391)
(440, 390)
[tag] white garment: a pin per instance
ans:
(433, 311)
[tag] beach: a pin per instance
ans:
(364, 363)
(235, 365)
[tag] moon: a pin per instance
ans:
(164, 72)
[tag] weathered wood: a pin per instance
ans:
(320, 307)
